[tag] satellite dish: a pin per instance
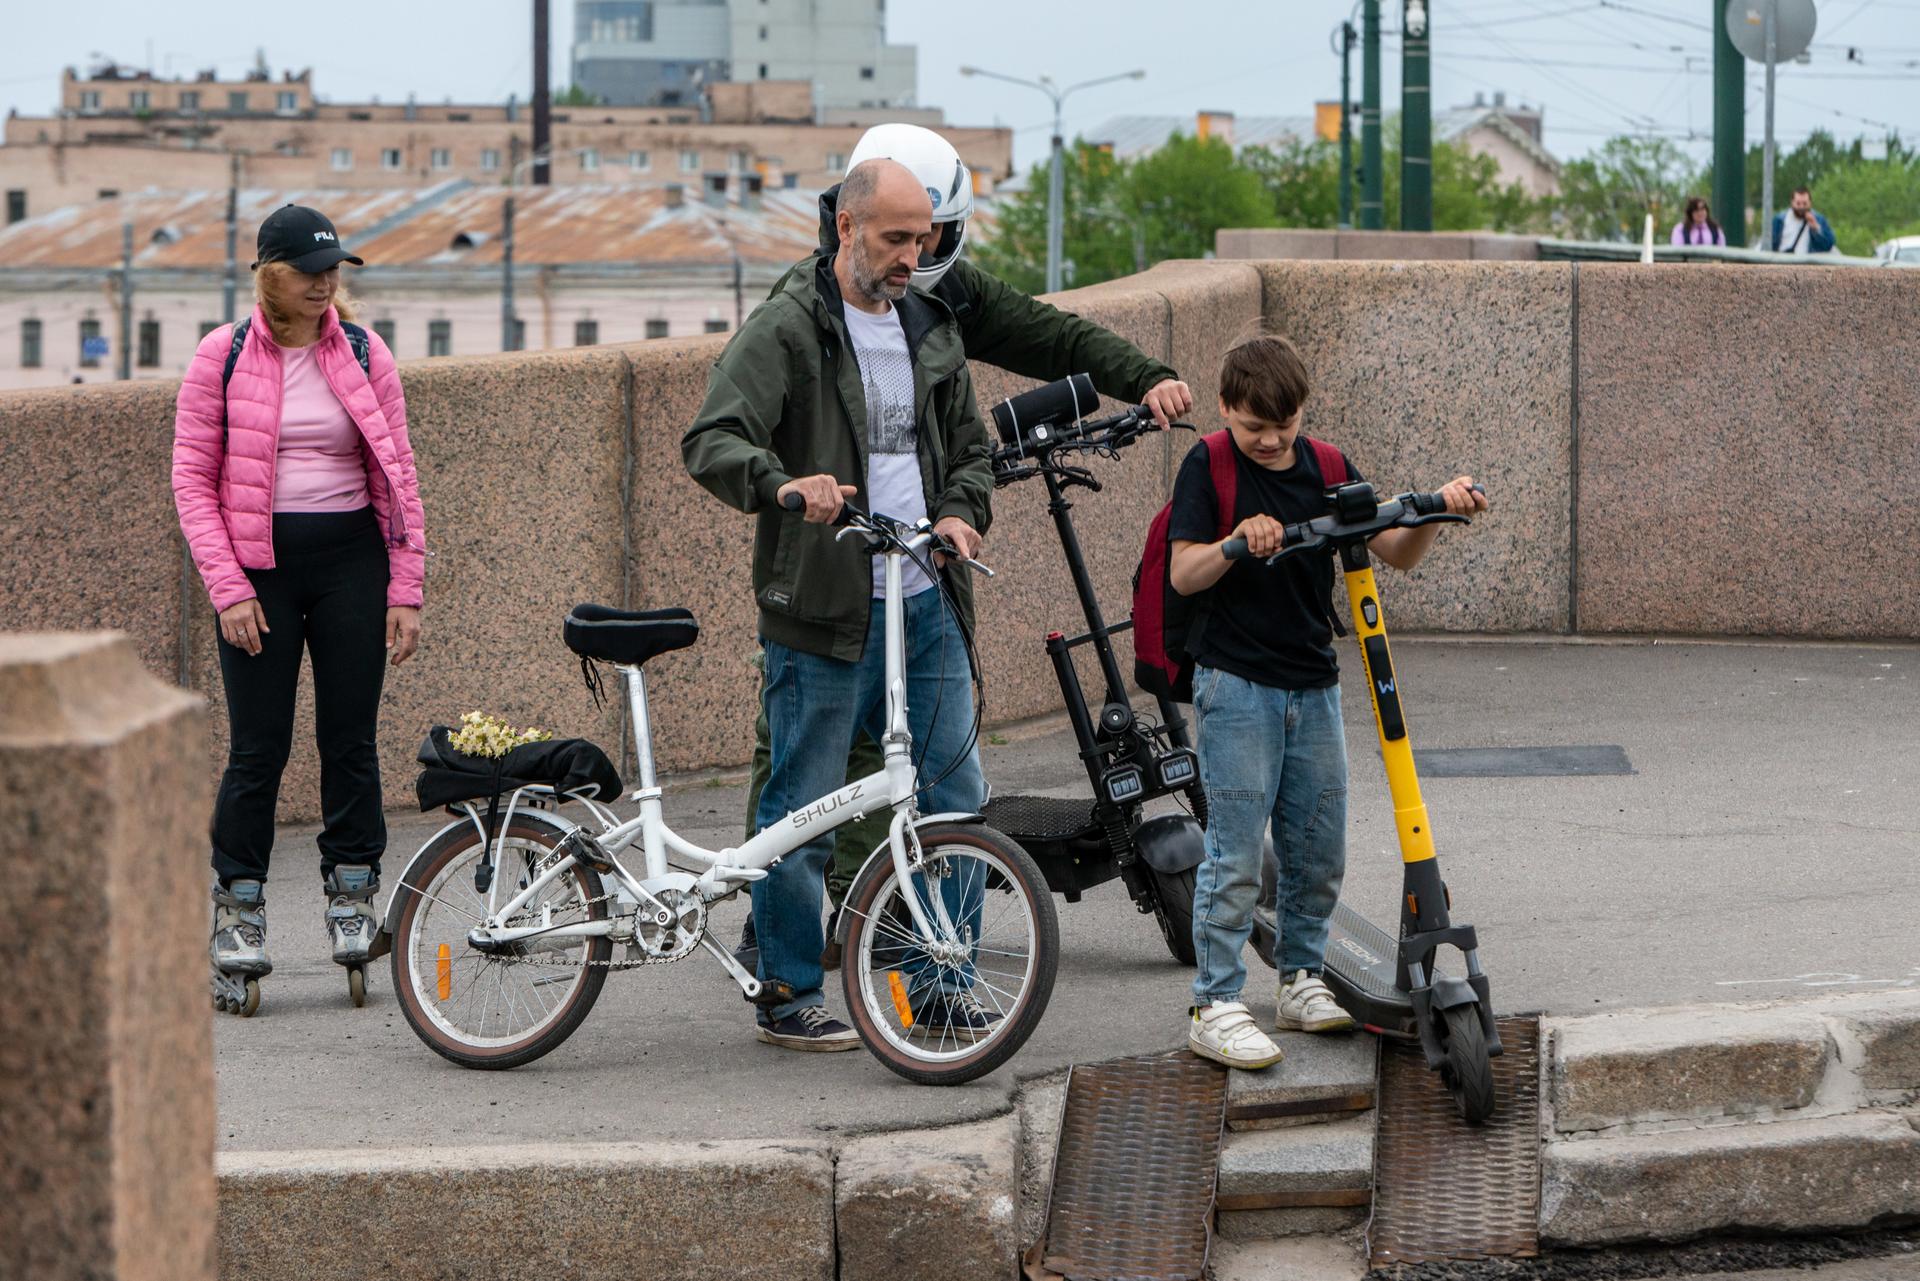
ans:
(1793, 25)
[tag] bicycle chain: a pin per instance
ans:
(539, 870)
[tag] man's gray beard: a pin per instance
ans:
(871, 287)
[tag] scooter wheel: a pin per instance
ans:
(1468, 1071)
(357, 985)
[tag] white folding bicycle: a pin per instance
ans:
(502, 929)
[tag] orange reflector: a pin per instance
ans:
(445, 967)
(900, 1005)
(1413, 907)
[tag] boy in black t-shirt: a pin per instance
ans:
(1266, 701)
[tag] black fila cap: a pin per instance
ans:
(303, 239)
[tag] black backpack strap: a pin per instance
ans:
(240, 328)
(362, 346)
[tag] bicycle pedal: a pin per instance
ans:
(772, 992)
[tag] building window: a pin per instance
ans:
(342, 158)
(90, 100)
(16, 206)
(489, 159)
(208, 326)
(716, 325)
(616, 21)
(286, 100)
(586, 333)
(237, 100)
(763, 71)
(835, 162)
(149, 344)
(789, 180)
(639, 161)
(390, 159)
(763, 31)
(189, 100)
(29, 344)
(439, 337)
(384, 328)
(866, 73)
(89, 344)
(656, 329)
(589, 160)
(740, 161)
(442, 158)
(140, 100)
(519, 335)
(689, 162)
(108, 193)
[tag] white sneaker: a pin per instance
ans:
(1226, 1033)
(1305, 1005)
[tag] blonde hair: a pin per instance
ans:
(273, 278)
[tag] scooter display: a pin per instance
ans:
(1392, 987)
(1130, 759)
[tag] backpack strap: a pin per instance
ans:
(1332, 463)
(362, 346)
(1226, 478)
(240, 328)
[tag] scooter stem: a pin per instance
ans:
(1396, 750)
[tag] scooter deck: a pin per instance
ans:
(1360, 970)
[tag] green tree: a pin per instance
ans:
(1467, 192)
(1301, 179)
(1868, 201)
(1098, 244)
(1180, 195)
(1607, 194)
(575, 96)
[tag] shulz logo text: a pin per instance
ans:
(820, 809)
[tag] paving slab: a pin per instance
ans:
(930, 1204)
(1322, 1077)
(1274, 1169)
(1589, 893)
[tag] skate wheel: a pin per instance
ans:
(220, 1004)
(246, 1008)
(357, 985)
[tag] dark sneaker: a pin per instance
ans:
(747, 950)
(811, 1028)
(956, 1018)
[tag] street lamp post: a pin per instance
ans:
(1056, 178)
(507, 317)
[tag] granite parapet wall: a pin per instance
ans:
(1742, 483)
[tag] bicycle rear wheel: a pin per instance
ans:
(942, 1011)
(495, 1011)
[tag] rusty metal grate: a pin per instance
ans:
(1443, 1189)
(1135, 1170)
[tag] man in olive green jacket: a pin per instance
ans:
(848, 384)
(1017, 332)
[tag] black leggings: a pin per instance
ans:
(327, 592)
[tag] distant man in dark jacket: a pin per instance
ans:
(1801, 229)
(1000, 326)
(779, 419)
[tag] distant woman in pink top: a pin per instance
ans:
(1696, 225)
(297, 495)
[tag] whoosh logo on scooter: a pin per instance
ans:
(1385, 687)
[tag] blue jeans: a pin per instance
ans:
(814, 705)
(1267, 756)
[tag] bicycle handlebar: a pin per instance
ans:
(887, 530)
(1349, 523)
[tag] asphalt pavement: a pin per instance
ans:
(1764, 844)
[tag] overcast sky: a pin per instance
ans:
(1599, 67)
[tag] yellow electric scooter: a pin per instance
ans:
(1391, 986)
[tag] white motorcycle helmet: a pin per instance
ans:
(940, 170)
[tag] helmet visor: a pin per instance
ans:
(946, 244)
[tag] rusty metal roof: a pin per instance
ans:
(453, 224)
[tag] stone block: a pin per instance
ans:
(1887, 1026)
(1320, 1258)
(715, 1211)
(1424, 371)
(108, 1054)
(1321, 1078)
(521, 462)
(88, 533)
(1804, 530)
(1275, 242)
(1690, 1063)
(1272, 1169)
(1788, 1176)
(930, 1204)
(1297, 1221)
(1406, 246)
(1493, 248)
(1041, 1104)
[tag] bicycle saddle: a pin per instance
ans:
(627, 636)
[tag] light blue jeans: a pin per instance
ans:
(1267, 757)
(814, 705)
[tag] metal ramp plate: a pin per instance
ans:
(1135, 1170)
(1446, 1190)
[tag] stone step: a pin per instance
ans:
(1302, 1179)
(1323, 1078)
(1296, 1258)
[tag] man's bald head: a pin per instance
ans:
(883, 216)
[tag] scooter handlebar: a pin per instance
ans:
(1409, 510)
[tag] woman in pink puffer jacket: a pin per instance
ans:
(297, 495)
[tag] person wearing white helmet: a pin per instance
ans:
(999, 325)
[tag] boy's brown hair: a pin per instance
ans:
(1266, 378)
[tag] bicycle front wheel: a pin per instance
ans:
(946, 1009)
(484, 1010)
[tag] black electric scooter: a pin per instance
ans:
(1392, 986)
(1129, 759)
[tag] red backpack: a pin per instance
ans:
(1162, 617)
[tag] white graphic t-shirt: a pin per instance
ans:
(893, 462)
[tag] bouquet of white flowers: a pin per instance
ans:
(489, 736)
